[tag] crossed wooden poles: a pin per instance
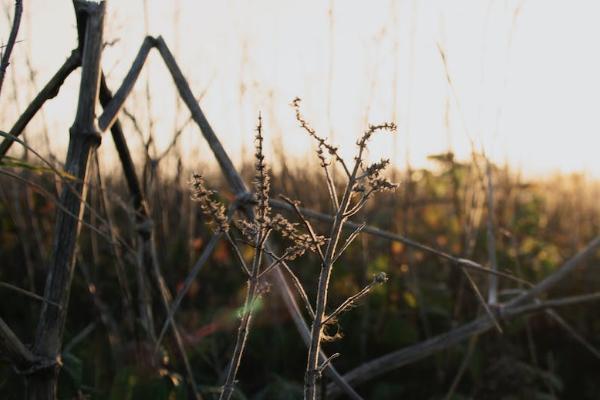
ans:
(40, 364)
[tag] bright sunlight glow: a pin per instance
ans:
(520, 79)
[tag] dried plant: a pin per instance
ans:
(362, 181)
(255, 233)
(40, 362)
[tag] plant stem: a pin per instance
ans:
(85, 136)
(247, 313)
(312, 367)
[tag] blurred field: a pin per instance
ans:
(539, 223)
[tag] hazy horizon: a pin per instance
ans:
(524, 75)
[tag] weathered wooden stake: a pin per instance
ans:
(84, 138)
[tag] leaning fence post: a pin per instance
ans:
(84, 138)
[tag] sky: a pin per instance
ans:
(517, 79)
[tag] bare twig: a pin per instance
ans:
(144, 225)
(190, 101)
(64, 209)
(491, 237)
(355, 298)
(119, 262)
(27, 293)
(458, 261)
(80, 337)
(463, 367)
(165, 299)
(12, 347)
(557, 276)
(481, 299)
(574, 334)
(108, 320)
(112, 108)
(208, 249)
(12, 38)
(307, 224)
(147, 255)
(303, 329)
(511, 309)
(48, 92)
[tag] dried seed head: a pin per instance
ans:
(375, 169)
(388, 126)
(380, 278)
(301, 242)
(249, 230)
(321, 142)
(208, 205)
(262, 183)
(382, 185)
(328, 336)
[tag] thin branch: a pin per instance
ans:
(553, 303)
(330, 185)
(402, 239)
(355, 298)
(233, 178)
(307, 224)
(165, 296)
(491, 238)
(443, 341)
(296, 282)
(238, 254)
(48, 92)
(80, 337)
(143, 221)
(357, 207)
(122, 279)
(463, 367)
(274, 264)
(11, 347)
(187, 284)
(64, 209)
(111, 110)
(303, 329)
(114, 332)
(322, 143)
(485, 306)
(27, 293)
(312, 375)
(571, 331)
(349, 241)
(12, 38)
(560, 274)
